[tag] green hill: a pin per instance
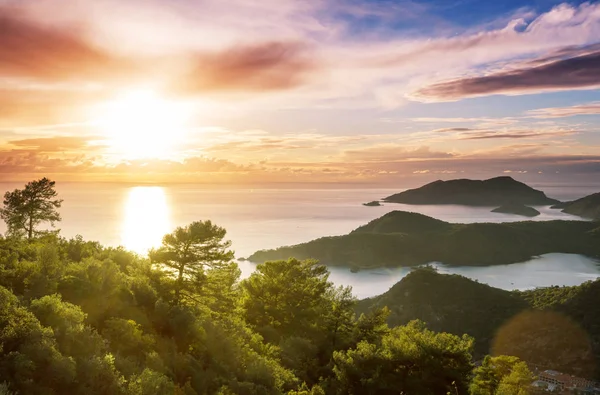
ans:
(555, 327)
(407, 239)
(496, 191)
(450, 303)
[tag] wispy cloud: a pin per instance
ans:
(560, 112)
(57, 144)
(525, 134)
(579, 72)
(29, 49)
(261, 67)
(393, 152)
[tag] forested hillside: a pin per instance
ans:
(556, 327)
(407, 239)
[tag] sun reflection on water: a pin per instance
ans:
(146, 218)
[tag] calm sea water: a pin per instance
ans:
(138, 216)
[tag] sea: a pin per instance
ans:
(137, 216)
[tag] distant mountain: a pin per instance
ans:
(586, 207)
(517, 209)
(455, 304)
(493, 192)
(407, 239)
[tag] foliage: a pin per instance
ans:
(80, 318)
(294, 306)
(189, 251)
(518, 382)
(410, 359)
(506, 375)
(24, 209)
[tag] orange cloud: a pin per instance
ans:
(257, 67)
(30, 50)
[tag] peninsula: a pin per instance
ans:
(401, 238)
(586, 207)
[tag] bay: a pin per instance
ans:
(137, 216)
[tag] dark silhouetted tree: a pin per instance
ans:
(24, 209)
(190, 251)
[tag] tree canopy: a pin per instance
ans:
(190, 251)
(24, 209)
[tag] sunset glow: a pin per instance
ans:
(285, 91)
(146, 218)
(141, 124)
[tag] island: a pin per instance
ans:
(494, 192)
(586, 207)
(401, 238)
(517, 209)
(374, 203)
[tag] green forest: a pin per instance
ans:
(77, 317)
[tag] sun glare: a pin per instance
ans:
(141, 124)
(146, 218)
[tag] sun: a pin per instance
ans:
(141, 124)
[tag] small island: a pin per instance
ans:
(517, 209)
(494, 192)
(374, 203)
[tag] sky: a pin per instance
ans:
(281, 91)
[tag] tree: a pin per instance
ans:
(290, 298)
(190, 251)
(409, 360)
(518, 382)
(293, 305)
(502, 374)
(25, 209)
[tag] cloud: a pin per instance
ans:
(480, 120)
(257, 67)
(516, 134)
(393, 152)
(29, 49)
(445, 130)
(580, 72)
(56, 144)
(560, 112)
